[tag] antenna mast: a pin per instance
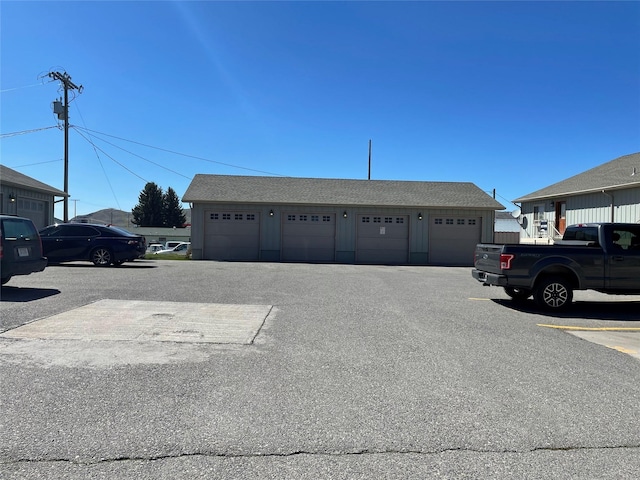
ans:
(369, 177)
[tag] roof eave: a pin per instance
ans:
(528, 198)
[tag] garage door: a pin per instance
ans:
(452, 240)
(33, 209)
(382, 239)
(308, 237)
(232, 236)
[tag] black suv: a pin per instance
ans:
(20, 248)
(101, 244)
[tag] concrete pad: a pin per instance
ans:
(625, 342)
(141, 321)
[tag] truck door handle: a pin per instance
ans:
(617, 258)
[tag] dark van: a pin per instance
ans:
(20, 248)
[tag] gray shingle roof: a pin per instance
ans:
(325, 191)
(615, 174)
(17, 179)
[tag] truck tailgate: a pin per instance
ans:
(487, 257)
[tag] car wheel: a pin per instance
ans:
(101, 257)
(554, 293)
(518, 294)
(5, 279)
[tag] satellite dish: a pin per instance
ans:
(516, 213)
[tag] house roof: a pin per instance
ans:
(325, 191)
(623, 172)
(17, 179)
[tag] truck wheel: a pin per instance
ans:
(554, 293)
(518, 294)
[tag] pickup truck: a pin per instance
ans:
(596, 256)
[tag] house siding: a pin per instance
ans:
(622, 206)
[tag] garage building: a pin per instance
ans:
(253, 218)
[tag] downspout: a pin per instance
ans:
(612, 205)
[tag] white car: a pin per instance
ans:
(181, 249)
(155, 247)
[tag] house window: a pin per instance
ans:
(471, 221)
(538, 212)
(366, 219)
(238, 216)
(437, 221)
(326, 218)
(449, 221)
(213, 216)
(303, 218)
(226, 216)
(291, 218)
(399, 219)
(251, 216)
(461, 221)
(377, 219)
(315, 218)
(388, 219)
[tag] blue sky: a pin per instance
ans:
(512, 96)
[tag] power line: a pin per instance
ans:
(24, 132)
(112, 159)
(39, 163)
(20, 88)
(181, 154)
(134, 154)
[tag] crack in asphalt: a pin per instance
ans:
(153, 458)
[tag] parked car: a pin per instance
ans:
(155, 247)
(181, 249)
(594, 256)
(101, 244)
(171, 244)
(20, 248)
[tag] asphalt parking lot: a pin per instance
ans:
(180, 369)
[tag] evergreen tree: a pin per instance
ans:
(173, 215)
(149, 210)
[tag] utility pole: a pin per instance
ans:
(63, 114)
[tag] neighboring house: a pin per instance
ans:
(507, 228)
(338, 221)
(607, 193)
(27, 197)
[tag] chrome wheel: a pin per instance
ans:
(554, 293)
(101, 257)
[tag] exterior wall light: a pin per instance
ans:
(420, 216)
(271, 213)
(12, 197)
(344, 214)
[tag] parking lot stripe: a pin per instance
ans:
(592, 329)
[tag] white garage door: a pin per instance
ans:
(382, 239)
(232, 236)
(308, 237)
(452, 240)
